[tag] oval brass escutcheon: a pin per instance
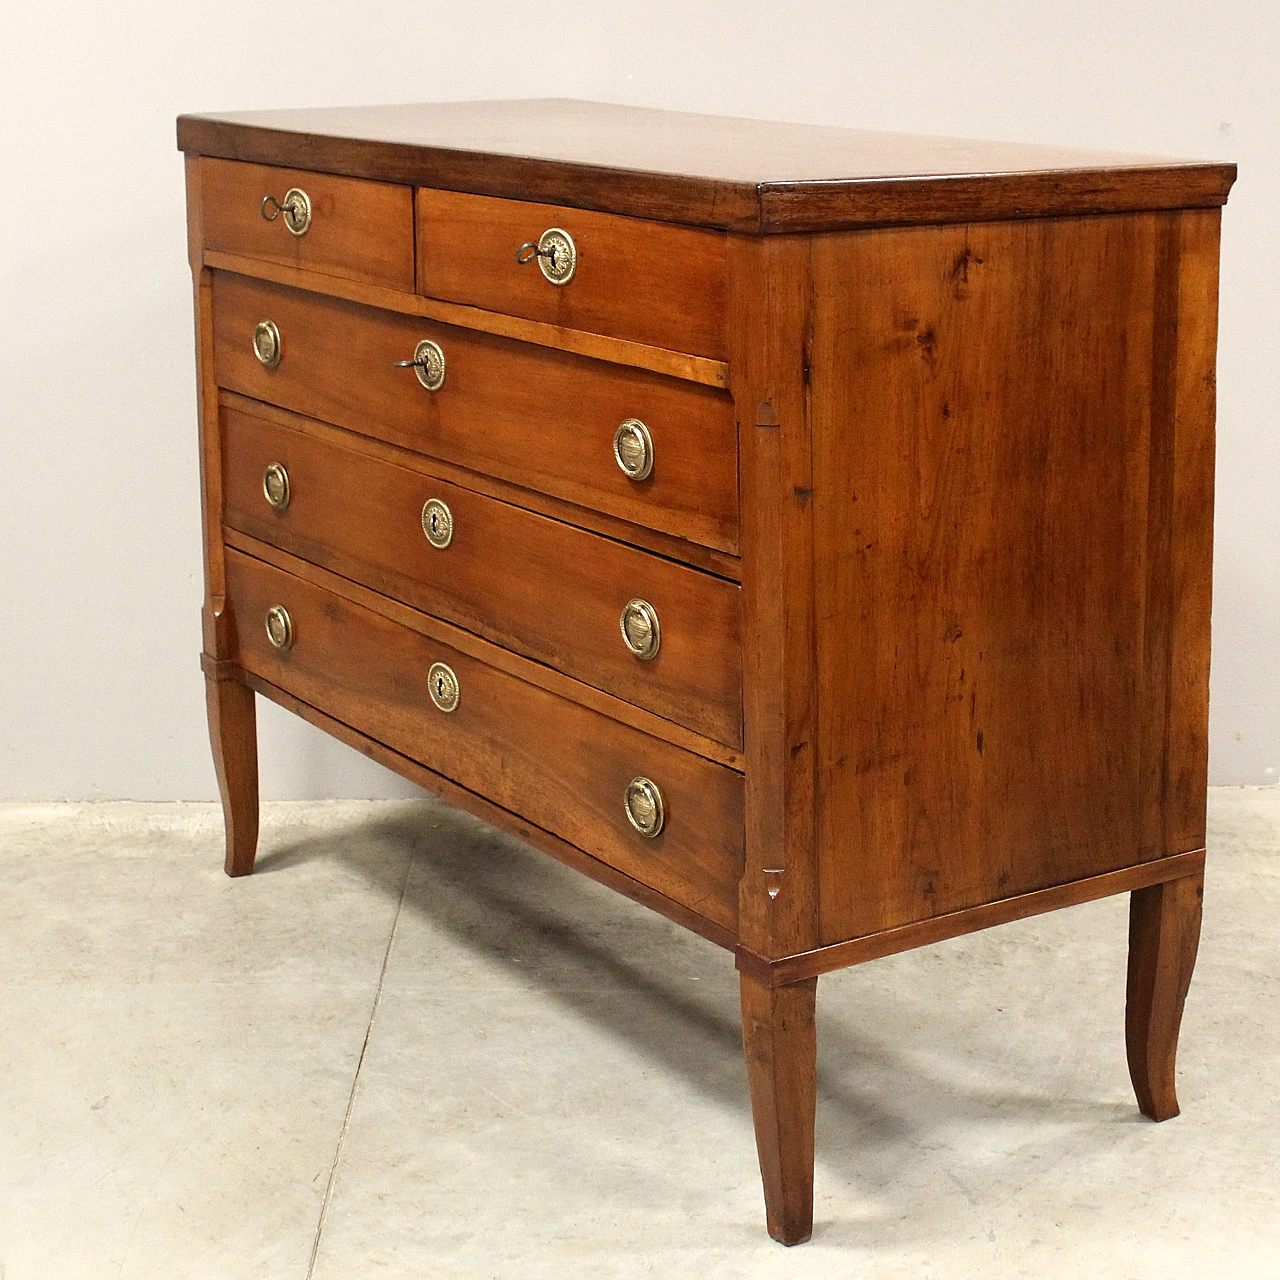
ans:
(296, 207)
(643, 803)
(443, 686)
(275, 485)
(640, 630)
(437, 523)
(429, 364)
(557, 255)
(280, 628)
(266, 343)
(633, 449)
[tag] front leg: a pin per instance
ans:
(780, 1039)
(1164, 933)
(233, 734)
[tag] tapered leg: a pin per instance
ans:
(781, 1045)
(233, 734)
(1164, 932)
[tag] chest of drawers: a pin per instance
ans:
(804, 532)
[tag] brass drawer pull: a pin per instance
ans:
(296, 207)
(555, 254)
(633, 449)
(280, 628)
(275, 485)
(443, 686)
(437, 523)
(267, 345)
(427, 363)
(640, 630)
(643, 803)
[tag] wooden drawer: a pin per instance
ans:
(648, 281)
(358, 230)
(532, 415)
(557, 764)
(535, 585)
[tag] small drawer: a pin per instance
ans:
(336, 226)
(651, 282)
(541, 418)
(559, 765)
(542, 588)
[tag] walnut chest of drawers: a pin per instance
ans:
(805, 532)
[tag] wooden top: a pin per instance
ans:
(712, 171)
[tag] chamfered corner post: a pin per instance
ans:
(1164, 934)
(771, 297)
(780, 1040)
(233, 725)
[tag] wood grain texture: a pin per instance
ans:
(233, 735)
(637, 279)
(770, 303)
(994, 609)
(557, 764)
(714, 171)
(531, 416)
(530, 672)
(493, 814)
(536, 586)
(840, 955)
(780, 1039)
(359, 230)
(1164, 935)
(675, 364)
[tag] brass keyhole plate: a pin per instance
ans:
(437, 523)
(442, 684)
(557, 255)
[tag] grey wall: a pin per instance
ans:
(100, 694)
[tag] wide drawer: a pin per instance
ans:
(348, 227)
(538, 417)
(559, 765)
(650, 282)
(535, 585)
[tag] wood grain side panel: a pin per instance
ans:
(559, 765)
(532, 416)
(983, 453)
(359, 230)
(534, 585)
(647, 281)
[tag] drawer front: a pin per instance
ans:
(650, 282)
(555, 763)
(532, 415)
(532, 584)
(357, 230)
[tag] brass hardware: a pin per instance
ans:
(296, 207)
(266, 343)
(643, 803)
(555, 252)
(280, 628)
(442, 684)
(633, 448)
(275, 484)
(427, 363)
(640, 630)
(437, 523)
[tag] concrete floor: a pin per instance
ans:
(410, 1047)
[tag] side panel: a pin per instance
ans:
(1012, 444)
